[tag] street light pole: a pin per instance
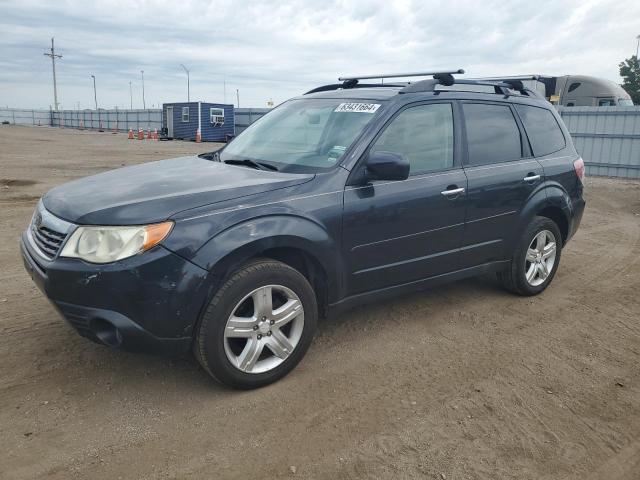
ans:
(637, 45)
(95, 96)
(188, 93)
(144, 105)
(130, 96)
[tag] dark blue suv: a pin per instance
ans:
(348, 194)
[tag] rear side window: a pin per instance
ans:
(423, 135)
(492, 134)
(542, 129)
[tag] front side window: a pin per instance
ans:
(304, 135)
(492, 134)
(625, 102)
(542, 129)
(423, 135)
(573, 86)
(216, 116)
(185, 114)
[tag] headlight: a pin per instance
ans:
(108, 244)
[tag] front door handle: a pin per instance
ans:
(531, 178)
(452, 192)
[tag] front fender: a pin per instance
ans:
(245, 240)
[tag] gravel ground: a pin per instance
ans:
(459, 382)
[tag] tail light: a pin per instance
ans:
(578, 165)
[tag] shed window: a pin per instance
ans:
(216, 116)
(185, 114)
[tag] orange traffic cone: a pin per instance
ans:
(149, 136)
(140, 134)
(198, 136)
(155, 134)
(130, 134)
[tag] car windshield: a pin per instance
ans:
(625, 102)
(303, 135)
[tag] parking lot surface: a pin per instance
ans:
(464, 381)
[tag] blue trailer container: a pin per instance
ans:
(217, 120)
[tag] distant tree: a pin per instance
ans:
(630, 72)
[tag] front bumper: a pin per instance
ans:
(146, 303)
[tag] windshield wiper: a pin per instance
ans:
(210, 156)
(251, 163)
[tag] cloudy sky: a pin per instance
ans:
(278, 49)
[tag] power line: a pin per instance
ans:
(53, 56)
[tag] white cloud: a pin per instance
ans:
(280, 49)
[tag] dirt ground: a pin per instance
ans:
(459, 382)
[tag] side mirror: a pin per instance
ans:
(386, 166)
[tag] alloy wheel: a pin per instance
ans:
(264, 329)
(540, 258)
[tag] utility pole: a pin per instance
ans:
(144, 105)
(224, 88)
(637, 46)
(238, 97)
(53, 65)
(130, 96)
(95, 96)
(188, 94)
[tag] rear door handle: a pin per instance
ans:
(531, 178)
(452, 192)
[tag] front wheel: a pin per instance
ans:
(535, 260)
(258, 326)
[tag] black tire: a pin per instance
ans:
(514, 277)
(209, 345)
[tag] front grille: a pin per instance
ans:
(48, 241)
(47, 232)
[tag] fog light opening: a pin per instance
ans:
(106, 332)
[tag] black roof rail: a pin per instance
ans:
(501, 85)
(505, 87)
(353, 82)
(430, 85)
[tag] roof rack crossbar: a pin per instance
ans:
(336, 86)
(399, 75)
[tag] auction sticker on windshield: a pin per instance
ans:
(357, 107)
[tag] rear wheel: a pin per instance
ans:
(535, 260)
(258, 326)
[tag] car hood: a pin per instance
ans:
(153, 192)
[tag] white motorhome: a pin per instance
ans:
(576, 90)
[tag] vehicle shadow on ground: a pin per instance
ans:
(118, 371)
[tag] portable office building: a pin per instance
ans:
(215, 120)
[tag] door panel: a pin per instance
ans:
(500, 180)
(397, 232)
(496, 194)
(170, 122)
